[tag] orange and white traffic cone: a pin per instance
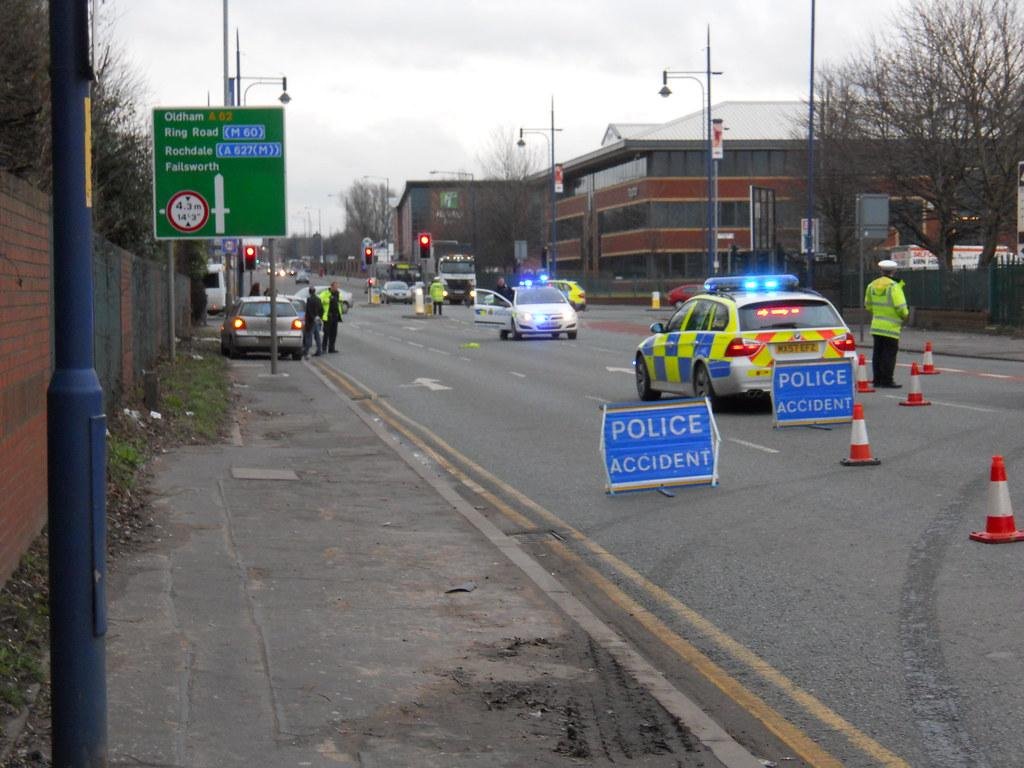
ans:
(860, 451)
(914, 397)
(1000, 527)
(863, 385)
(928, 365)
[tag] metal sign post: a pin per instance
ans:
(872, 223)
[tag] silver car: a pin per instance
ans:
(534, 311)
(397, 291)
(247, 328)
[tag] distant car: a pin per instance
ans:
(396, 291)
(726, 340)
(573, 292)
(535, 310)
(302, 276)
(247, 328)
(683, 293)
(346, 296)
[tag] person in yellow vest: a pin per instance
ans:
(437, 294)
(885, 301)
(333, 308)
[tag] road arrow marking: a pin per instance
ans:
(432, 384)
(610, 369)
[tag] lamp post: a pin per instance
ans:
(809, 235)
(284, 98)
(553, 253)
(472, 191)
(666, 75)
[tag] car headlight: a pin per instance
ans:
(526, 317)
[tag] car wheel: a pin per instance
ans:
(503, 335)
(702, 386)
(571, 334)
(223, 348)
(233, 352)
(643, 381)
(515, 332)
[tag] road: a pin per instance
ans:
(845, 608)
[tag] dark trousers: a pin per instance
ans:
(331, 335)
(883, 359)
(437, 307)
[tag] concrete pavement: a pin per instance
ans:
(313, 601)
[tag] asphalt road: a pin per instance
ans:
(849, 599)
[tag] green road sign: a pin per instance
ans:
(218, 172)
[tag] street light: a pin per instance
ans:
(809, 236)
(667, 75)
(553, 253)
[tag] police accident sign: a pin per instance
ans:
(659, 445)
(814, 392)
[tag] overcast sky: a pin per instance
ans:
(395, 88)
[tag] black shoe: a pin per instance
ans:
(890, 385)
(332, 351)
(317, 354)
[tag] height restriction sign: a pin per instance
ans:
(218, 172)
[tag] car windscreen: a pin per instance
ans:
(396, 285)
(788, 313)
(539, 296)
(262, 309)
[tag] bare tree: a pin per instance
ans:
(24, 91)
(936, 115)
(511, 203)
(368, 210)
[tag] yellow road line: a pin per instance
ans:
(790, 734)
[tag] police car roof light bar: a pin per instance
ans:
(751, 283)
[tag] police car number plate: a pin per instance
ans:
(790, 347)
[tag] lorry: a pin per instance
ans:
(458, 275)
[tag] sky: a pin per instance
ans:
(393, 89)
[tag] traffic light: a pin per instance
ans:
(249, 251)
(544, 258)
(424, 245)
(368, 256)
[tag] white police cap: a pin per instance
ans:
(887, 264)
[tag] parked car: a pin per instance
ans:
(397, 291)
(246, 328)
(346, 296)
(573, 292)
(683, 293)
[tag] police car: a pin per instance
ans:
(724, 341)
(534, 311)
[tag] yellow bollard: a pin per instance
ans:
(655, 300)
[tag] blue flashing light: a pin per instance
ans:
(751, 283)
(525, 283)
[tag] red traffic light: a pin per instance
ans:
(424, 245)
(249, 251)
(368, 255)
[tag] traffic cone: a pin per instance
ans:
(1000, 527)
(928, 367)
(860, 451)
(863, 385)
(914, 397)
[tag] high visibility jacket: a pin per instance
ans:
(436, 292)
(885, 301)
(325, 299)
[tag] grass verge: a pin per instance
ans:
(195, 408)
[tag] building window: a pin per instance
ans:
(734, 213)
(624, 219)
(607, 177)
(685, 215)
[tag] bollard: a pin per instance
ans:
(417, 300)
(655, 300)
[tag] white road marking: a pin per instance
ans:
(520, 375)
(951, 370)
(395, 338)
(612, 351)
(755, 446)
(432, 384)
(467, 359)
(953, 405)
(439, 351)
(598, 399)
(613, 369)
(411, 328)
(994, 376)
(414, 344)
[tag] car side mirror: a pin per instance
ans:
(657, 327)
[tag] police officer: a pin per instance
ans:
(885, 301)
(437, 294)
(333, 309)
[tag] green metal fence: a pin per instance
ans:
(1006, 288)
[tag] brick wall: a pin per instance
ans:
(25, 332)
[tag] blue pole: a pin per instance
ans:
(76, 426)
(709, 226)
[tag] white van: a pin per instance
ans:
(216, 288)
